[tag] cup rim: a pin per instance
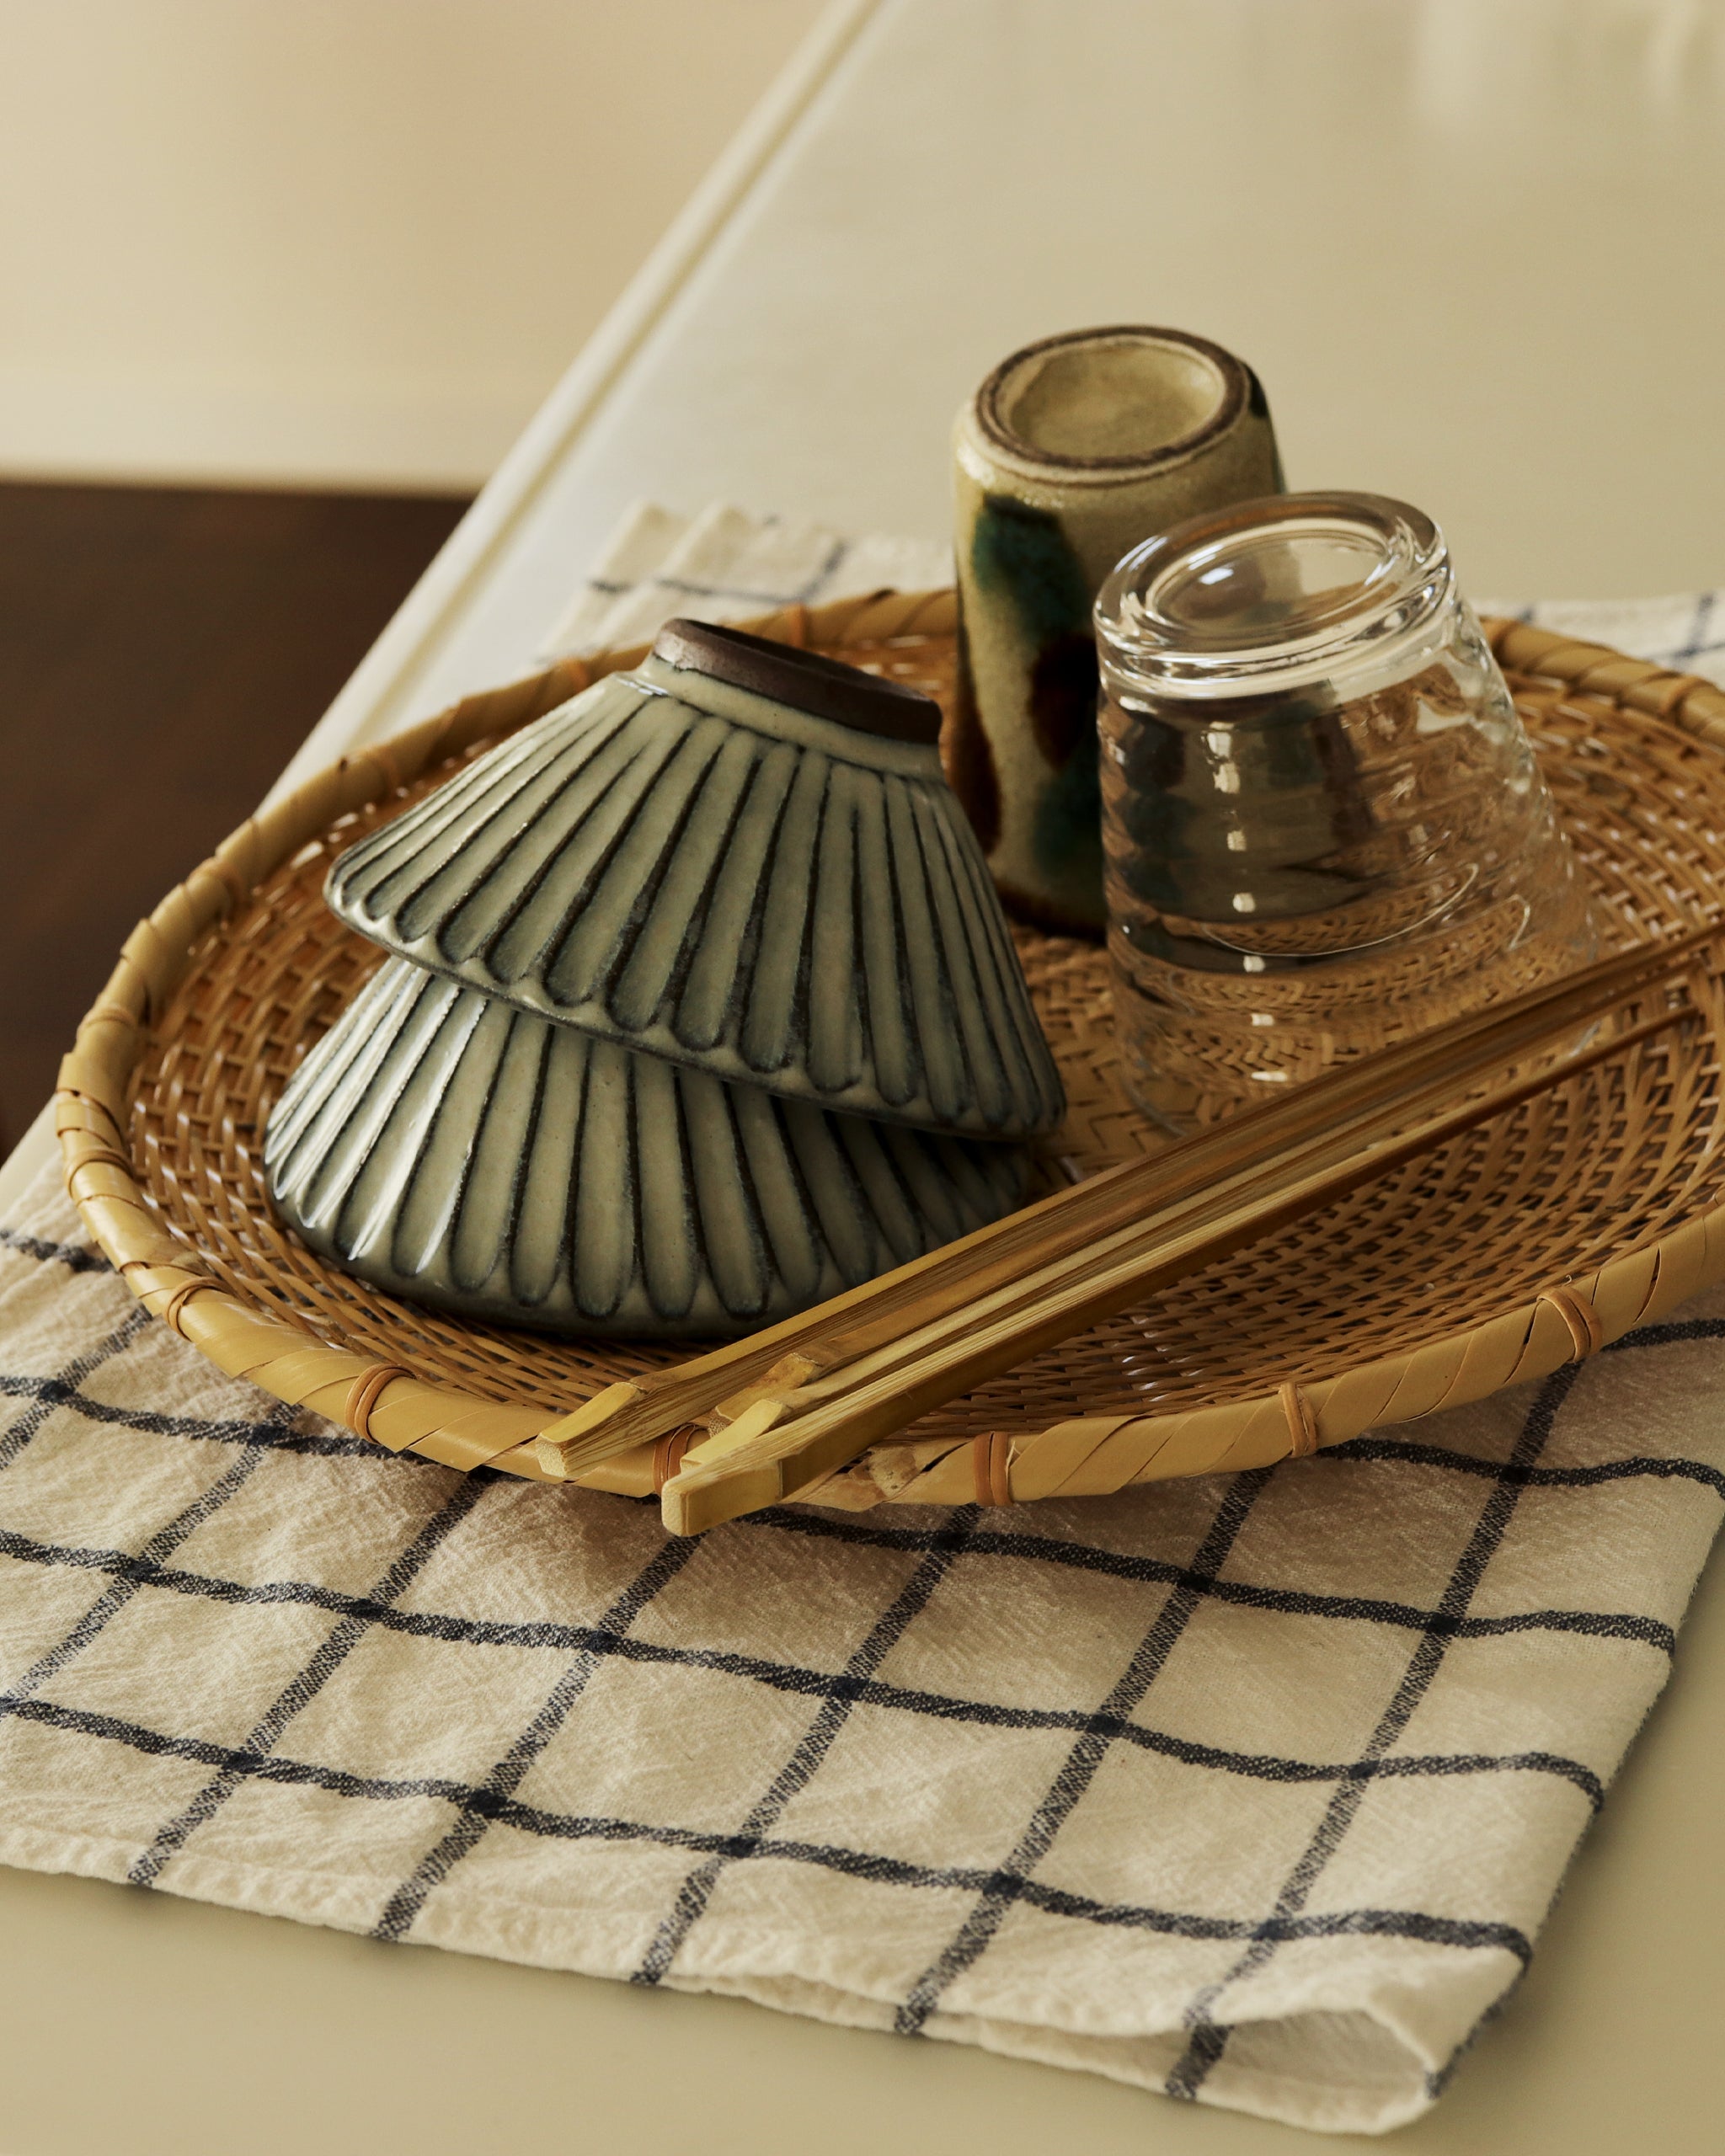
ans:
(1141, 653)
(1237, 385)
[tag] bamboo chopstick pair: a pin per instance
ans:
(788, 1406)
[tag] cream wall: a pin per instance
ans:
(340, 241)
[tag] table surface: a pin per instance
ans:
(1473, 247)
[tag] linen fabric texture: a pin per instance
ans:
(1254, 1790)
(724, 565)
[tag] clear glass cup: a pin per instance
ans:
(1323, 825)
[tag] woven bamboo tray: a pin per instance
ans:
(1517, 1247)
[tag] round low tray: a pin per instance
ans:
(1514, 1248)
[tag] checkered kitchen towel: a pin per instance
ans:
(1253, 1789)
(724, 565)
(1686, 632)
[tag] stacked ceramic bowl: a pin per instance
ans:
(700, 1008)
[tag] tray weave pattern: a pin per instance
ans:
(1520, 1245)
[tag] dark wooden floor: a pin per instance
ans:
(162, 653)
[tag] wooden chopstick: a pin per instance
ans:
(756, 1463)
(718, 1384)
(778, 1445)
(721, 1384)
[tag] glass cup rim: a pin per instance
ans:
(1384, 620)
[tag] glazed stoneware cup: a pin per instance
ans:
(460, 1152)
(1073, 450)
(742, 859)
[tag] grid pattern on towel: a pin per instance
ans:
(1252, 1788)
(724, 565)
(1686, 633)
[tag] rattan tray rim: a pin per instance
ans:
(1090, 1456)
